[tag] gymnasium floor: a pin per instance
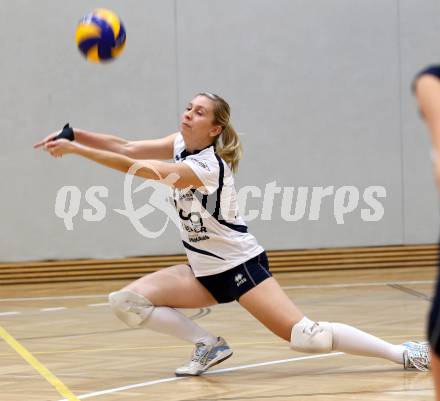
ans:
(76, 349)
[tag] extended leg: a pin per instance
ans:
(271, 306)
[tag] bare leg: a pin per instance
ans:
(272, 307)
(175, 286)
(160, 293)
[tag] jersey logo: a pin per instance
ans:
(195, 218)
(195, 228)
(201, 163)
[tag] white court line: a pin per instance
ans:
(50, 309)
(280, 361)
(212, 372)
(50, 298)
(375, 284)
(289, 287)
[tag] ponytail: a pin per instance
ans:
(229, 148)
(227, 144)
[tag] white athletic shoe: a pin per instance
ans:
(205, 356)
(417, 356)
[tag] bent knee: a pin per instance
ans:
(309, 336)
(133, 309)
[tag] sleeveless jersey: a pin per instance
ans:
(214, 235)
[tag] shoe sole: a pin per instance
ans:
(203, 371)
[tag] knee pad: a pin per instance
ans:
(309, 336)
(133, 309)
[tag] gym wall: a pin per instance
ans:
(319, 91)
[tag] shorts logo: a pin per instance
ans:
(239, 279)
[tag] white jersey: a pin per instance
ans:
(215, 237)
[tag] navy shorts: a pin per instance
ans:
(230, 285)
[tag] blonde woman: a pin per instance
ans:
(226, 263)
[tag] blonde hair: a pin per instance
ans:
(227, 144)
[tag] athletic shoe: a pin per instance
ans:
(417, 356)
(204, 357)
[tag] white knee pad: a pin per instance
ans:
(133, 309)
(309, 336)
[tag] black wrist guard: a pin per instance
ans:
(66, 133)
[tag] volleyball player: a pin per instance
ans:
(226, 263)
(427, 88)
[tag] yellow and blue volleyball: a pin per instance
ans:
(100, 36)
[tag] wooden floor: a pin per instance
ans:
(70, 331)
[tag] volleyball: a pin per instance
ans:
(100, 36)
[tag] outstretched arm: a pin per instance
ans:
(161, 149)
(428, 97)
(149, 169)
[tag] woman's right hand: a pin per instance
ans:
(48, 138)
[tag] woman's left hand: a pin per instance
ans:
(61, 147)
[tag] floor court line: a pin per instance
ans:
(353, 285)
(288, 287)
(52, 298)
(212, 372)
(37, 365)
(166, 347)
(149, 383)
(159, 347)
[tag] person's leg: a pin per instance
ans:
(175, 286)
(272, 307)
(436, 374)
(150, 301)
(434, 336)
(269, 304)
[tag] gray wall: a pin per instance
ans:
(319, 91)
